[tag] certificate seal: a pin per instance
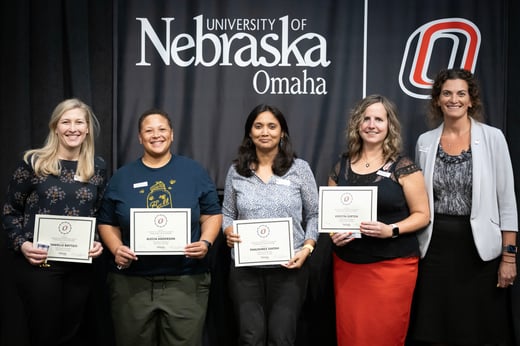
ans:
(64, 227)
(160, 220)
(346, 198)
(263, 231)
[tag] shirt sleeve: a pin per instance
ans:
(309, 192)
(13, 213)
(229, 204)
(107, 210)
(504, 185)
(209, 201)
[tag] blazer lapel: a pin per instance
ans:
(477, 159)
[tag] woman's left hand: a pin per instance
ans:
(96, 250)
(341, 238)
(375, 229)
(197, 250)
(298, 260)
(506, 274)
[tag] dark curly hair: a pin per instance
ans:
(247, 159)
(435, 115)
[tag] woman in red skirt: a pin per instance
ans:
(375, 274)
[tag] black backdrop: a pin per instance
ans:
(331, 54)
(55, 49)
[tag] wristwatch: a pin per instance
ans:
(395, 230)
(207, 242)
(510, 249)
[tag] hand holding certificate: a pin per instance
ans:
(263, 241)
(343, 208)
(66, 238)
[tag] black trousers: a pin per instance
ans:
(54, 300)
(267, 303)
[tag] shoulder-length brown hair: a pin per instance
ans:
(392, 144)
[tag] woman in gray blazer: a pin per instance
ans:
(469, 250)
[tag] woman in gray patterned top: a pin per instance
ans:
(266, 180)
(469, 252)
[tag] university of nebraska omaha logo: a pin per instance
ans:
(263, 231)
(445, 42)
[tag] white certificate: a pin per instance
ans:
(160, 231)
(263, 241)
(69, 238)
(342, 208)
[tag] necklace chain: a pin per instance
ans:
(369, 162)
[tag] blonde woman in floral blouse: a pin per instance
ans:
(62, 178)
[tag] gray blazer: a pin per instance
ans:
(493, 203)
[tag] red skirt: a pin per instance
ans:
(373, 301)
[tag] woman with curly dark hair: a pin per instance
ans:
(469, 250)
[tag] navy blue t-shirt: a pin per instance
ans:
(181, 183)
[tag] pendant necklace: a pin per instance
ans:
(368, 163)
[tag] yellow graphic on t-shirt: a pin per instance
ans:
(159, 196)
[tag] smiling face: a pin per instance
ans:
(373, 128)
(266, 132)
(454, 99)
(156, 135)
(71, 130)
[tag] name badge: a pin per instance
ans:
(283, 182)
(423, 148)
(383, 173)
(141, 184)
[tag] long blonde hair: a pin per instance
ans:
(45, 160)
(392, 144)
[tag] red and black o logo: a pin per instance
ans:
(443, 43)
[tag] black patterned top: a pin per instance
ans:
(28, 195)
(391, 208)
(452, 183)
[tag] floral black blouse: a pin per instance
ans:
(28, 195)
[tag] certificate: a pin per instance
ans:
(68, 238)
(342, 208)
(263, 241)
(160, 231)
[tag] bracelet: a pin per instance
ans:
(508, 262)
(310, 247)
(508, 254)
